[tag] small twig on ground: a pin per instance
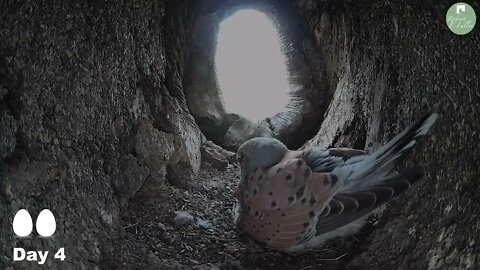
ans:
(449, 97)
(324, 250)
(333, 259)
(131, 225)
(221, 239)
(135, 256)
(310, 266)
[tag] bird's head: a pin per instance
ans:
(260, 152)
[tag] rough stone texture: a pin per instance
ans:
(388, 63)
(216, 156)
(131, 178)
(155, 148)
(200, 82)
(310, 95)
(239, 131)
(91, 107)
(243, 129)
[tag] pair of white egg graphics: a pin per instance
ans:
(23, 224)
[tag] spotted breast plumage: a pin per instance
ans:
(295, 200)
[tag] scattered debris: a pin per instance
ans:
(204, 236)
(203, 224)
(182, 218)
(219, 158)
(161, 226)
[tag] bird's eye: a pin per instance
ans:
(240, 157)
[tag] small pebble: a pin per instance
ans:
(162, 226)
(204, 224)
(182, 218)
(193, 261)
(167, 237)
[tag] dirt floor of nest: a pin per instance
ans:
(208, 240)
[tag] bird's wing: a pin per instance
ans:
(280, 205)
(346, 153)
(347, 207)
(325, 160)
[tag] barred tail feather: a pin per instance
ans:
(378, 165)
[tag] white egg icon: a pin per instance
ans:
(46, 224)
(22, 223)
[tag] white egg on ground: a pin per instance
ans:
(46, 224)
(22, 223)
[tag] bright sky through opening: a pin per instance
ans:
(250, 66)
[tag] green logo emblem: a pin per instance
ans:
(461, 18)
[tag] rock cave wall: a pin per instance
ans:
(389, 62)
(310, 92)
(91, 108)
